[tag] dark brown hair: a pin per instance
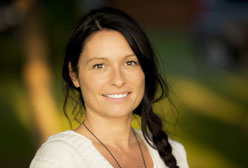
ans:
(113, 19)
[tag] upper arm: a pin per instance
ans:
(55, 154)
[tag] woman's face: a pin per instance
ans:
(109, 75)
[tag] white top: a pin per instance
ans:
(70, 149)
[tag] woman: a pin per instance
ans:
(110, 64)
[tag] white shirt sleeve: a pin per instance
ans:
(179, 152)
(55, 154)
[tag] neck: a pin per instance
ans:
(115, 131)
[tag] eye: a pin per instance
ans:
(130, 63)
(98, 66)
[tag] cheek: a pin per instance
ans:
(91, 84)
(138, 80)
(142, 86)
(89, 91)
(140, 90)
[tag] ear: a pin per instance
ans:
(73, 76)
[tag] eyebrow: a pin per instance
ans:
(103, 58)
(95, 58)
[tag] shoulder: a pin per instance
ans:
(60, 150)
(178, 150)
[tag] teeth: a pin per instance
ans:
(117, 96)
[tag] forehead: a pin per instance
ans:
(106, 43)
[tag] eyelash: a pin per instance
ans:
(96, 66)
(130, 63)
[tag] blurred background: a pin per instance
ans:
(202, 46)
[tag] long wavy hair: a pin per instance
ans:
(112, 19)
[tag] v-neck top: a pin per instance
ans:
(70, 149)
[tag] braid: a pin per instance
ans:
(159, 137)
(114, 19)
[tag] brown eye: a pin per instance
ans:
(98, 66)
(130, 63)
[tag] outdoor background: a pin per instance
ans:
(203, 49)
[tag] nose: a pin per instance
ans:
(117, 78)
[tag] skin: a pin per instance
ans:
(112, 83)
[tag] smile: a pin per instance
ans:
(116, 96)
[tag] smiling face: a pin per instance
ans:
(109, 75)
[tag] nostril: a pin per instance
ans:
(118, 78)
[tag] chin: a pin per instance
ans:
(119, 112)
